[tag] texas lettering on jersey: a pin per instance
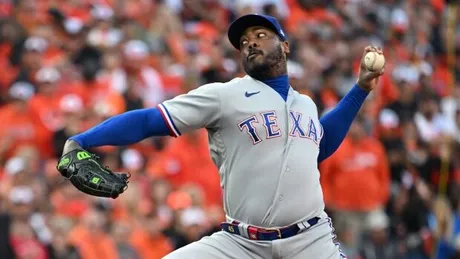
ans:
(265, 147)
(272, 130)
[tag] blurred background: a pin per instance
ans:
(392, 188)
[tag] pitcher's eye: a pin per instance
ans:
(243, 42)
(261, 34)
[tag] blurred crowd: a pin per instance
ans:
(392, 188)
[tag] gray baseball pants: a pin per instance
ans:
(316, 242)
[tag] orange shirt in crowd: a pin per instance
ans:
(188, 161)
(328, 98)
(89, 92)
(44, 110)
(72, 208)
(53, 56)
(17, 127)
(150, 247)
(299, 16)
(356, 177)
(91, 245)
(9, 72)
(5, 50)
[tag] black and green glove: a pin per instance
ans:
(89, 176)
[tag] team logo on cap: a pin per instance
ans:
(282, 32)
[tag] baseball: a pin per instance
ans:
(374, 61)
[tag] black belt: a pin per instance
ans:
(256, 233)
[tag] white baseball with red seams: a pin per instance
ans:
(374, 61)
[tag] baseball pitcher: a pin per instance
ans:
(265, 138)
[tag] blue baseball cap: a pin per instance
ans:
(237, 27)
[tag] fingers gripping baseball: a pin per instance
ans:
(372, 67)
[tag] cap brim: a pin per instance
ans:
(238, 27)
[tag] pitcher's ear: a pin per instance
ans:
(285, 46)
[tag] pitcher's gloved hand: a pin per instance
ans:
(85, 172)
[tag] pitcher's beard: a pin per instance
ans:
(259, 71)
(272, 66)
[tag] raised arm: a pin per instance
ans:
(337, 122)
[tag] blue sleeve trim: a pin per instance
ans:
(125, 129)
(337, 122)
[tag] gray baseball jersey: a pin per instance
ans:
(265, 148)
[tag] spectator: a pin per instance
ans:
(177, 201)
(411, 219)
(137, 81)
(147, 237)
(378, 245)
(59, 247)
(389, 132)
(360, 164)
(31, 58)
(71, 114)
(450, 107)
(44, 105)
(103, 35)
(23, 238)
(406, 105)
(180, 167)
(192, 224)
(348, 242)
(121, 230)
(430, 121)
(91, 238)
(67, 67)
(20, 128)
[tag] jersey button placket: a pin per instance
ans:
(289, 139)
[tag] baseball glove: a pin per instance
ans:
(89, 176)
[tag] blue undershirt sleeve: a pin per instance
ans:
(124, 129)
(337, 122)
